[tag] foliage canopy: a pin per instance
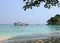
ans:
(54, 20)
(36, 3)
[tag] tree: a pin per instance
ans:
(54, 20)
(36, 3)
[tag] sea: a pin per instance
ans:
(9, 30)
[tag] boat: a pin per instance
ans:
(20, 24)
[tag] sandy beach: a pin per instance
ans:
(4, 38)
(49, 40)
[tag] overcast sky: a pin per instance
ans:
(12, 11)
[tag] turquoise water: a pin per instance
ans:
(11, 30)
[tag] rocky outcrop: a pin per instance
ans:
(54, 20)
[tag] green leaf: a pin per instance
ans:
(24, 0)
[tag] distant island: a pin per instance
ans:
(54, 20)
(20, 24)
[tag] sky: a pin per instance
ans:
(12, 11)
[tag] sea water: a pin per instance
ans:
(11, 30)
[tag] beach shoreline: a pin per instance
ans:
(47, 40)
(28, 38)
(4, 38)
